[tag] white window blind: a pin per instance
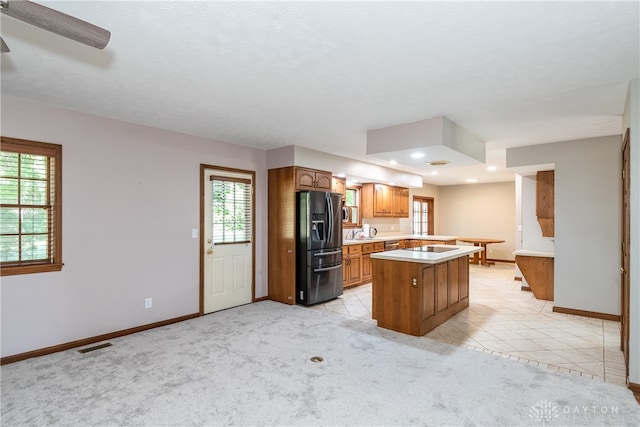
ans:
(231, 209)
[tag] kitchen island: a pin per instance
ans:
(417, 289)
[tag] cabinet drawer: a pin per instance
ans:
(354, 249)
(379, 246)
(367, 248)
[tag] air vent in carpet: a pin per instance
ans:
(95, 347)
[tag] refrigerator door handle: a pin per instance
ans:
(335, 267)
(329, 205)
(327, 253)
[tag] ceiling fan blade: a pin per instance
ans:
(57, 22)
(3, 46)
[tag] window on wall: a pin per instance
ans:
(422, 215)
(231, 210)
(352, 205)
(30, 207)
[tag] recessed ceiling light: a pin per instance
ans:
(341, 175)
(434, 173)
(471, 180)
(393, 162)
(491, 168)
(392, 183)
(417, 155)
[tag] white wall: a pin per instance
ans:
(480, 210)
(587, 219)
(131, 196)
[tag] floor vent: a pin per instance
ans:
(95, 347)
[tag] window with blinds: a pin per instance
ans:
(30, 206)
(231, 209)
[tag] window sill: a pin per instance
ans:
(30, 269)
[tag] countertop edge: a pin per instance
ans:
(525, 252)
(426, 257)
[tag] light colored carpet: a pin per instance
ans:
(251, 366)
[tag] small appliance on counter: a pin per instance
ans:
(319, 248)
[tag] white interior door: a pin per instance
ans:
(228, 239)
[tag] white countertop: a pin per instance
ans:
(526, 252)
(398, 237)
(427, 257)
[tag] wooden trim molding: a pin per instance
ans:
(635, 388)
(261, 299)
(511, 261)
(585, 313)
(86, 341)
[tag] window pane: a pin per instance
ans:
(231, 211)
(9, 248)
(9, 191)
(8, 164)
(350, 198)
(9, 220)
(33, 192)
(34, 221)
(34, 247)
(32, 166)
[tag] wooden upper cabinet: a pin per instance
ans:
(545, 204)
(311, 179)
(401, 202)
(339, 185)
(380, 200)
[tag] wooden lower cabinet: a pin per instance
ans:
(415, 298)
(366, 249)
(351, 265)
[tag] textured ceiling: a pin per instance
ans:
(320, 74)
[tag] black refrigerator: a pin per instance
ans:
(319, 247)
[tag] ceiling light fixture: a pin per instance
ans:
(491, 168)
(417, 155)
(471, 180)
(393, 162)
(438, 163)
(434, 173)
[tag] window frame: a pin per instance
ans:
(430, 205)
(358, 205)
(54, 262)
(248, 215)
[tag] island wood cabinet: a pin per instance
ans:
(414, 298)
(351, 265)
(380, 200)
(311, 179)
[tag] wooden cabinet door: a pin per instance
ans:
(401, 202)
(339, 185)
(355, 269)
(463, 277)
(453, 273)
(442, 298)
(428, 291)
(305, 179)
(382, 195)
(366, 268)
(323, 180)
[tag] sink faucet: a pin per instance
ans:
(354, 233)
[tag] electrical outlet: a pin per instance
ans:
(148, 302)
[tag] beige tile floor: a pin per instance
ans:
(510, 323)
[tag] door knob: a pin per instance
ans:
(209, 251)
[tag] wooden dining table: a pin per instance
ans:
(482, 257)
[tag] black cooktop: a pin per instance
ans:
(436, 249)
